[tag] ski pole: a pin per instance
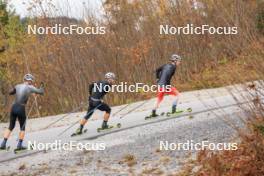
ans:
(74, 110)
(78, 120)
(31, 108)
(135, 108)
(121, 109)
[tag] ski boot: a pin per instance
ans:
(153, 114)
(79, 131)
(20, 149)
(3, 146)
(173, 109)
(105, 125)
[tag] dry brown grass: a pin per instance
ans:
(247, 160)
(129, 159)
(67, 64)
(152, 171)
(165, 160)
(22, 167)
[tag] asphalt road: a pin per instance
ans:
(133, 148)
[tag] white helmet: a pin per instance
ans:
(110, 75)
(175, 57)
(29, 77)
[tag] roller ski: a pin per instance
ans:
(154, 115)
(177, 112)
(21, 149)
(79, 132)
(106, 127)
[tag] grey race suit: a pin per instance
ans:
(22, 92)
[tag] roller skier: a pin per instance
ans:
(164, 75)
(22, 93)
(97, 92)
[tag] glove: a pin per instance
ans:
(42, 84)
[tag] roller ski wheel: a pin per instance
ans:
(78, 134)
(189, 109)
(191, 117)
(5, 149)
(118, 125)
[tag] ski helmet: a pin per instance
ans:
(29, 77)
(175, 57)
(110, 75)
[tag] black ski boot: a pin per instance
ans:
(79, 131)
(19, 148)
(105, 125)
(173, 109)
(154, 114)
(3, 145)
